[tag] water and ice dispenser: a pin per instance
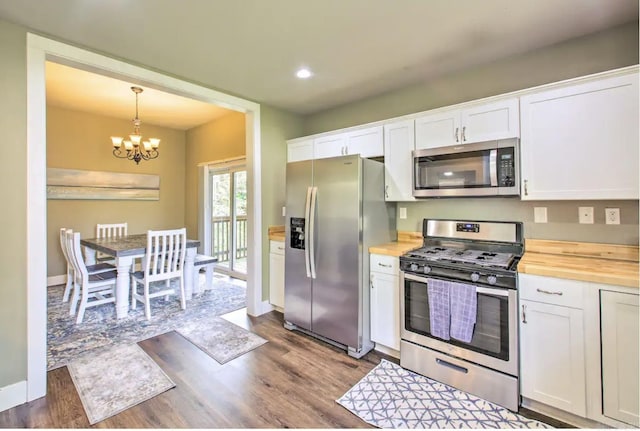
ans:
(297, 233)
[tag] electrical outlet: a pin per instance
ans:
(585, 215)
(403, 213)
(540, 214)
(612, 215)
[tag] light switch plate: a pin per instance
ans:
(540, 214)
(403, 213)
(585, 215)
(284, 211)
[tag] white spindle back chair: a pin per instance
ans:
(109, 230)
(96, 289)
(163, 261)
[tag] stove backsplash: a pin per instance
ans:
(562, 216)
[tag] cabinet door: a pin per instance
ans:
(385, 309)
(276, 279)
(366, 142)
(552, 367)
(620, 334)
(581, 141)
(496, 120)
(297, 151)
(438, 130)
(330, 146)
(399, 142)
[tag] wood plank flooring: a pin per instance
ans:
(290, 382)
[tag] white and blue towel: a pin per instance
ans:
(452, 309)
(464, 304)
(439, 312)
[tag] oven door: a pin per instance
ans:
(495, 337)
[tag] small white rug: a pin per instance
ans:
(221, 339)
(116, 379)
(391, 397)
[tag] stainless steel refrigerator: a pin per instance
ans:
(335, 211)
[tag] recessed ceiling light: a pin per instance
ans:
(303, 73)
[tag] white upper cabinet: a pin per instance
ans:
(477, 123)
(300, 150)
(399, 142)
(329, 146)
(580, 141)
(366, 142)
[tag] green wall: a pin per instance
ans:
(598, 52)
(13, 177)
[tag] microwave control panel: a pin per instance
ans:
(506, 167)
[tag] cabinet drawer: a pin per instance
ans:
(276, 247)
(551, 290)
(384, 264)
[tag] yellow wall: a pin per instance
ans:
(79, 140)
(222, 138)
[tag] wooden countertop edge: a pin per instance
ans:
(626, 274)
(396, 248)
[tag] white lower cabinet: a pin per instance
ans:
(385, 300)
(552, 353)
(276, 273)
(619, 321)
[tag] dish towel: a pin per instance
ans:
(439, 315)
(464, 304)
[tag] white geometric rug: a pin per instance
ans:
(116, 379)
(391, 397)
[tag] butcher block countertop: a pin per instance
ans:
(276, 233)
(406, 242)
(591, 262)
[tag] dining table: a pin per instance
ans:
(125, 250)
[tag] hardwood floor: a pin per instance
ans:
(290, 382)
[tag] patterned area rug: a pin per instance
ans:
(220, 339)
(391, 397)
(100, 329)
(115, 380)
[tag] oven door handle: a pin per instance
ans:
(479, 289)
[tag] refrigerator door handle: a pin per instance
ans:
(311, 232)
(307, 207)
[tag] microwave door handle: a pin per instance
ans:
(493, 167)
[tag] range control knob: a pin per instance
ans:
(413, 267)
(475, 276)
(426, 269)
(492, 279)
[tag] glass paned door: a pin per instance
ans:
(229, 219)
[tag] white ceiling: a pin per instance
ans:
(356, 48)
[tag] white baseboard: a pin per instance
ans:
(387, 350)
(56, 280)
(13, 395)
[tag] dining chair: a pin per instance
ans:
(109, 230)
(90, 289)
(91, 269)
(163, 262)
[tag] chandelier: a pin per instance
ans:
(135, 148)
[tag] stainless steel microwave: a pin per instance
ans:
(489, 168)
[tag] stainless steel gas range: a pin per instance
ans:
(459, 307)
